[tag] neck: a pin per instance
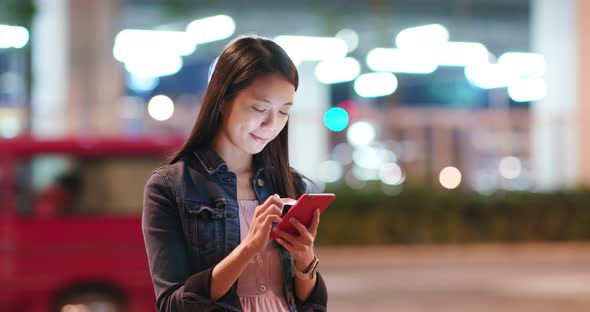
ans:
(237, 160)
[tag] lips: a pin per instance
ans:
(259, 139)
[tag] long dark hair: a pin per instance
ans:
(241, 62)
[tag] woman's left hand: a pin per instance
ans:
(300, 247)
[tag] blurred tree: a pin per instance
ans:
(17, 12)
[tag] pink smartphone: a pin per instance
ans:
(303, 210)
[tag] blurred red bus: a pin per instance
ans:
(70, 223)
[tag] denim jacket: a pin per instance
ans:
(190, 222)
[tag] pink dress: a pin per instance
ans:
(260, 286)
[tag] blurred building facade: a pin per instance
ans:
(79, 87)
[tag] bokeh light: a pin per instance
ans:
(161, 107)
(349, 36)
(330, 171)
(527, 89)
(353, 182)
(375, 84)
(422, 37)
(142, 84)
(342, 152)
(391, 174)
(361, 133)
(212, 28)
(510, 167)
(337, 70)
(336, 119)
(372, 157)
(450, 177)
(13, 36)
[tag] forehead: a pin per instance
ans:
(273, 87)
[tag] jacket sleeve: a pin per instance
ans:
(175, 287)
(318, 299)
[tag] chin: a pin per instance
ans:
(256, 150)
(253, 148)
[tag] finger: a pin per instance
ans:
(297, 242)
(304, 233)
(285, 235)
(315, 222)
(268, 205)
(287, 245)
(274, 199)
(271, 210)
(268, 221)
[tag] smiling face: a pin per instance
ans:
(256, 115)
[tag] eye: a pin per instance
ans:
(258, 110)
(284, 113)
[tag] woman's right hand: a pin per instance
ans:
(265, 214)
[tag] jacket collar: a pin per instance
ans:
(212, 162)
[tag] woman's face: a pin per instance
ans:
(258, 113)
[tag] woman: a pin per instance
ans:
(208, 214)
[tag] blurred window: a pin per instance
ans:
(60, 185)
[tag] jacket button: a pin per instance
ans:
(262, 288)
(260, 182)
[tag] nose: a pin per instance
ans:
(269, 120)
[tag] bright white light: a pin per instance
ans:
(402, 61)
(212, 28)
(365, 174)
(450, 177)
(161, 107)
(13, 36)
(524, 64)
(527, 89)
(361, 133)
(422, 37)
(337, 70)
(462, 54)
(510, 167)
(302, 48)
(133, 43)
(489, 76)
(367, 157)
(350, 37)
(330, 171)
(149, 66)
(391, 174)
(372, 157)
(375, 84)
(142, 84)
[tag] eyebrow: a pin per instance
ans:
(269, 102)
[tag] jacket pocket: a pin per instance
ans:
(205, 227)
